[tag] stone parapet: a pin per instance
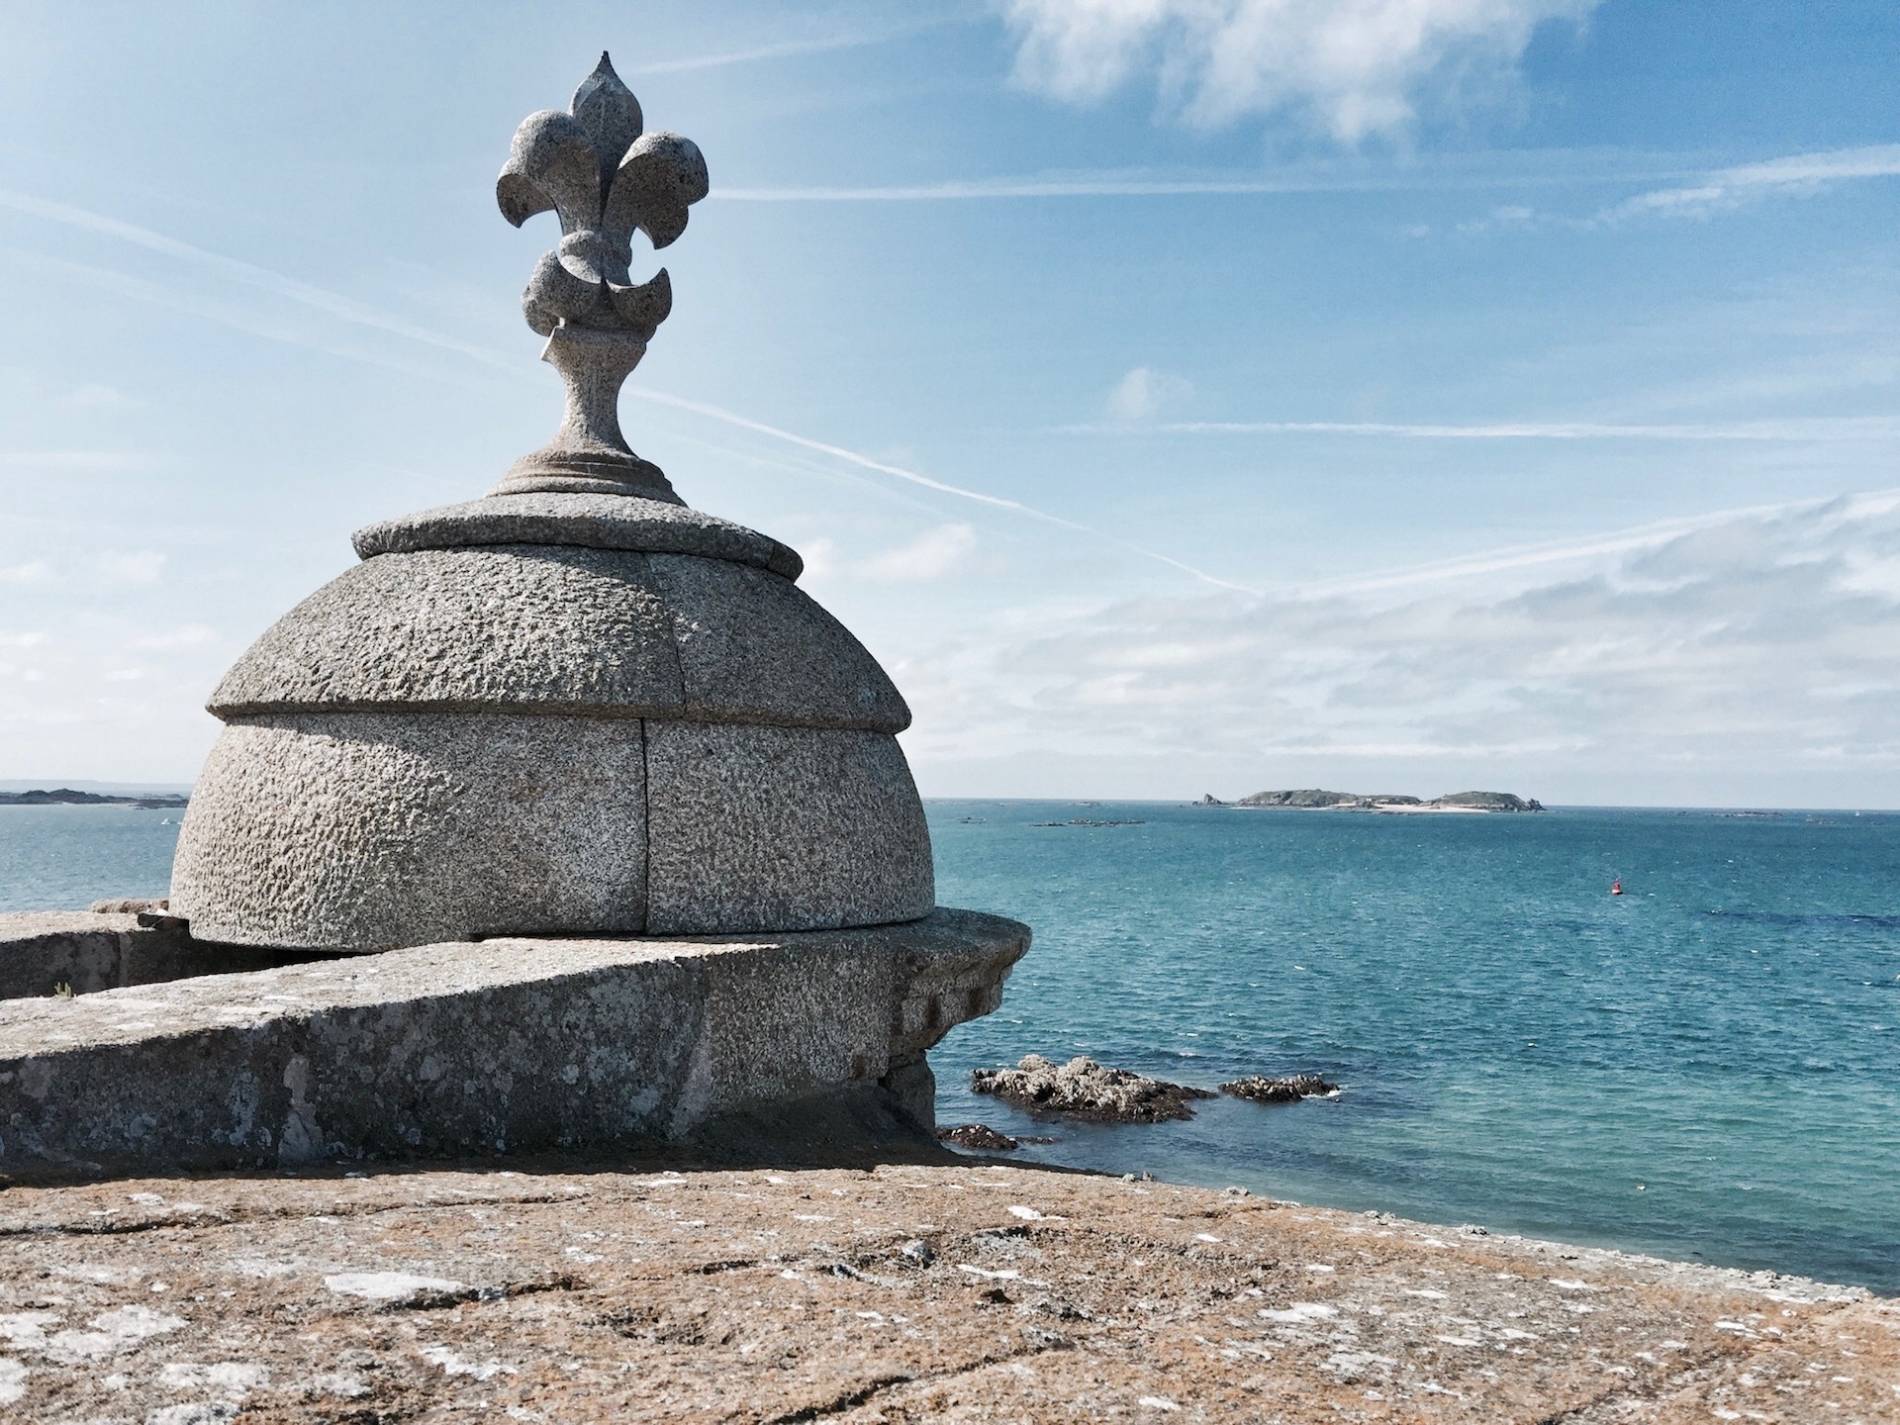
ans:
(54, 954)
(495, 1046)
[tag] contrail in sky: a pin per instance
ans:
(1793, 429)
(1623, 541)
(899, 472)
(787, 49)
(346, 309)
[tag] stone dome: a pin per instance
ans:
(553, 713)
(575, 706)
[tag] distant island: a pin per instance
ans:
(1317, 799)
(67, 797)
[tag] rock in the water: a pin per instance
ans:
(1290, 1088)
(129, 905)
(1087, 1089)
(977, 1135)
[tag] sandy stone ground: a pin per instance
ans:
(910, 1292)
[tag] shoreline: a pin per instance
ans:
(1378, 809)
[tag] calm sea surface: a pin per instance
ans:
(1707, 1067)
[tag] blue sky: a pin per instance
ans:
(1177, 395)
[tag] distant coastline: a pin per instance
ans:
(69, 797)
(1318, 799)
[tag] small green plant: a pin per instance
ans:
(62, 990)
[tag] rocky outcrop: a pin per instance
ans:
(68, 797)
(1083, 1088)
(1310, 798)
(979, 1136)
(1289, 1088)
(1318, 799)
(1489, 801)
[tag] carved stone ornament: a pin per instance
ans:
(605, 179)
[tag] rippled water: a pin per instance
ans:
(1707, 1067)
(65, 858)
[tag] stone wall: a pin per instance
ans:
(506, 1045)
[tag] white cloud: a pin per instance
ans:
(1729, 188)
(1144, 393)
(29, 573)
(144, 566)
(86, 461)
(1794, 428)
(190, 635)
(788, 49)
(1353, 68)
(821, 560)
(96, 397)
(1722, 190)
(22, 640)
(1751, 642)
(931, 555)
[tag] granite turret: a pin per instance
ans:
(575, 706)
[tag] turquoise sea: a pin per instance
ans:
(1705, 1068)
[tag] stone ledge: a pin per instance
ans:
(51, 953)
(581, 1290)
(506, 1045)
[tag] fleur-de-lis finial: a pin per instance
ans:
(605, 179)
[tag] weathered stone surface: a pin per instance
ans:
(533, 628)
(802, 828)
(595, 1291)
(564, 629)
(362, 831)
(82, 952)
(128, 905)
(605, 180)
(756, 648)
(978, 1136)
(1288, 1088)
(589, 521)
(1083, 1088)
(502, 1045)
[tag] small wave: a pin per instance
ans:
(1814, 919)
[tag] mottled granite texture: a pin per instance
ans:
(523, 627)
(504, 1045)
(589, 521)
(560, 629)
(80, 952)
(456, 742)
(755, 648)
(373, 830)
(806, 828)
(595, 1290)
(597, 170)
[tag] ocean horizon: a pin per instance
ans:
(1701, 1069)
